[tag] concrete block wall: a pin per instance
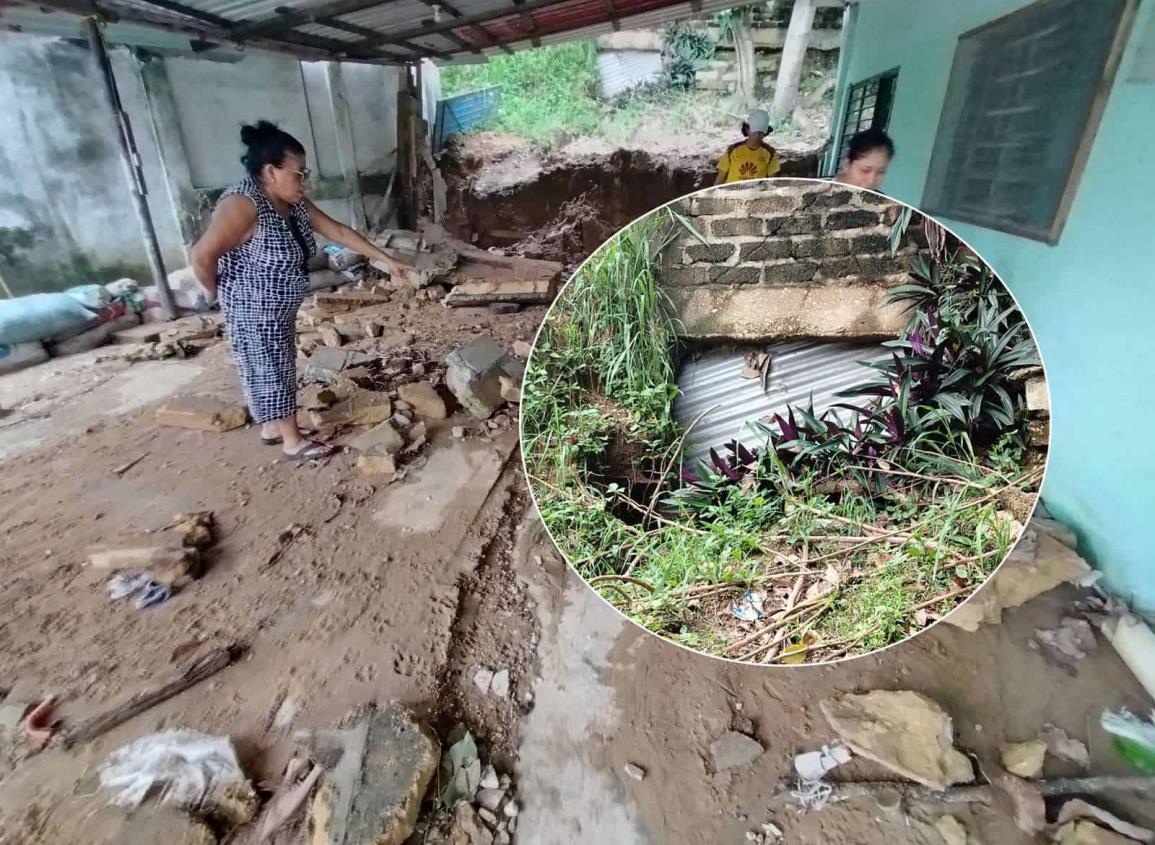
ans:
(786, 259)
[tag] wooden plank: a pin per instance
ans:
(203, 667)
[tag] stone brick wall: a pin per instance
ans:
(786, 258)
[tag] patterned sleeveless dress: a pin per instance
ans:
(262, 284)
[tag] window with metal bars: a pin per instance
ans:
(868, 105)
(1025, 95)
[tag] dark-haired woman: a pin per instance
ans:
(868, 155)
(254, 256)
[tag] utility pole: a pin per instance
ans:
(130, 157)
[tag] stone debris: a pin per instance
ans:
(1083, 832)
(1038, 399)
(635, 772)
(488, 815)
(906, 732)
(951, 830)
(324, 364)
(316, 397)
(474, 376)
(377, 464)
(1030, 811)
(732, 750)
(1066, 645)
(1065, 747)
(202, 415)
(363, 407)
(1037, 564)
(510, 390)
(522, 349)
(1078, 809)
(381, 439)
(376, 774)
(1024, 759)
(425, 399)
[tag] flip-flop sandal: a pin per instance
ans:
(277, 441)
(312, 452)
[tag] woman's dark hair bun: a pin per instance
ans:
(267, 144)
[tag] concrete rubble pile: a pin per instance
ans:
(358, 372)
(473, 276)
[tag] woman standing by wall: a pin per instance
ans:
(254, 254)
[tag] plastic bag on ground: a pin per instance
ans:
(184, 769)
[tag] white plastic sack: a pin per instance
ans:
(41, 316)
(92, 297)
(185, 768)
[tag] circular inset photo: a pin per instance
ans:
(785, 421)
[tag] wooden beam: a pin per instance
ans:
(364, 31)
(612, 11)
(190, 12)
(453, 11)
(292, 19)
(527, 19)
(459, 23)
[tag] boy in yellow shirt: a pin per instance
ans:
(752, 158)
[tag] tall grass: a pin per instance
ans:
(543, 91)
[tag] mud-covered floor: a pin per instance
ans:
(402, 592)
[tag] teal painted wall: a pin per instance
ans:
(1090, 298)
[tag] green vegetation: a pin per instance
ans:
(847, 532)
(551, 91)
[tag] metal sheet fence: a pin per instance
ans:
(799, 371)
(462, 112)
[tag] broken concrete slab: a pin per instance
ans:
(324, 364)
(363, 407)
(905, 731)
(424, 398)
(341, 301)
(1030, 811)
(510, 390)
(382, 439)
(330, 337)
(1024, 759)
(474, 376)
(377, 464)
(202, 415)
(377, 772)
(510, 293)
(733, 749)
(316, 397)
(1037, 564)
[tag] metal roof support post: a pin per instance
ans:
(130, 157)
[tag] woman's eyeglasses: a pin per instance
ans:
(302, 175)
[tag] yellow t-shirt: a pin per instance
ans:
(741, 162)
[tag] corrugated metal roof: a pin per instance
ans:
(798, 371)
(621, 70)
(391, 30)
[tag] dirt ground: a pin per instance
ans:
(560, 204)
(402, 592)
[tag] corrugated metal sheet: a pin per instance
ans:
(621, 70)
(798, 371)
(511, 25)
(464, 112)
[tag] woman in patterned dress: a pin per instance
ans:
(254, 256)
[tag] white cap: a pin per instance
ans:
(759, 121)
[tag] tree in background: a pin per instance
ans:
(793, 56)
